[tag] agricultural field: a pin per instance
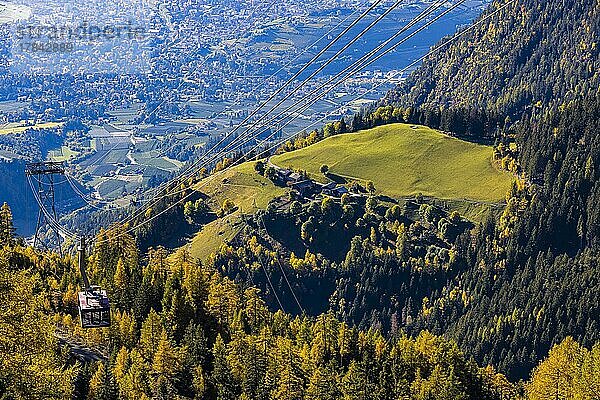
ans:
(403, 162)
(114, 188)
(121, 150)
(63, 154)
(20, 127)
(116, 157)
(160, 163)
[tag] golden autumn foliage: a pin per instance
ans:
(30, 363)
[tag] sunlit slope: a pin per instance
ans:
(241, 184)
(403, 161)
(213, 235)
(248, 190)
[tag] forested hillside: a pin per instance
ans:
(533, 53)
(182, 330)
(537, 283)
(361, 296)
(532, 274)
(527, 279)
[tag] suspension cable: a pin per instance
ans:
(362, 63)
(187, 174)
(389, 78)
(49, 217)
(83, 196)
(283, 270)
(305, 81)
(290, 117)
(304, 68)
(270, 283)
(417, 19)
(329, 61)
(190, 73)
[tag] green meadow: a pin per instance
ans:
(405, 161)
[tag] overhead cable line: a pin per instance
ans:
(265, 81)
(363, 62)
(356, 67)
(290, 63)
(283, 270)
(270, 283)
(39, 181)
(304, 68)
(183, 190)
(417, 19)
(307, 65)
(325, 64)
(187, 174)
(306, 80)
(399, 73)
(277, 145)
(298, 73)
(88, 200)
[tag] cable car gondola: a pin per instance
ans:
(93, 303)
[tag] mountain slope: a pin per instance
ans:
(403, 161)
(531, 275)
(539, 284)
(531, 53)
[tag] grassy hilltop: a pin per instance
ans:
(241, 184)
(400, 160)
(403, 161)
(247, 189)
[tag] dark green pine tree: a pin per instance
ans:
(7, 228)
(82, 382)
(105, 385)
(222, 378)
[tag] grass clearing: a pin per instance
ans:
(160, 163)
(242, 185)
(402, 162)
(63, 154)
(247, 189)
(209, 240)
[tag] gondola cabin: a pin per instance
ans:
(94, 308)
